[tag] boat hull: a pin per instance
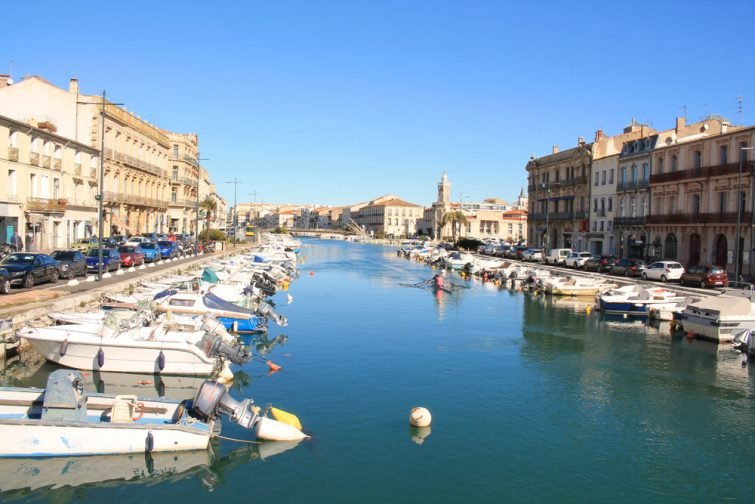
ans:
(123, 356)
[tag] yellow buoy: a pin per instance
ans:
(286, 417)
(420, 417)
(588, 310)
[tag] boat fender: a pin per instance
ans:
(161, 360)
(64, 347)
(235, 326)
(273, 430)
(100, 357)
(149, 443)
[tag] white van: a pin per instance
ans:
(557, 256)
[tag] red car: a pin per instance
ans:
(131, 255)
(705, 276)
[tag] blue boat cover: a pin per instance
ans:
(216, 303)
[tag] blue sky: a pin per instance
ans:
(336, 102)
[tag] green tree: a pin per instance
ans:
(456, 219)
(210, 206)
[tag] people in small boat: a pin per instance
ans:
(436, 281)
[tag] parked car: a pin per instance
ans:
(151, 251)
(557, 256)
(628, 267)
(111, 260)
(533, 254)
(137, 240)
(4, 281)
(83, 244)
(704, 276)
(663, 271)
(577, 260)
(599, 263)
(28, 269)
(71, 263)
(131, 255)
(168, 249)
(151, 236)
(119, 239)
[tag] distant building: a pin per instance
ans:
(389, 215)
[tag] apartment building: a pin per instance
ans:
(48, 185)
(390, 215)
(183, 179)
(559, 192)
(701, 187)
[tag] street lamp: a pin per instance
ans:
(196, 210)
(742, 155)
(235, 183)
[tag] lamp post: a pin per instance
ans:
(100, 197)
(196, 210)
(742, 155)
(235, 183)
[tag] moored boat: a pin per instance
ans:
(64, 420)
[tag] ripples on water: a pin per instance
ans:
(532, 399)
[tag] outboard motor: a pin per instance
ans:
(215, 327)
(65, 397)
(212, 400)
(266, 310)
(214, 345)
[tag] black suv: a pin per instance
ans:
(628, 267)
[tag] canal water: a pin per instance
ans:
(532, 399)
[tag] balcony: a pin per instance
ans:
(571, 182)
(45, 161)
(703, 172)
(629, 221)
(192, 161)
(57, 164)
(129, 199)
(189, 182)
(77, 169)
(46, 205)
(135, 163)
(34, 158)
(92, 172)
(729, 218)
(12, 153)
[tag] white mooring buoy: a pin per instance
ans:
(420, 417)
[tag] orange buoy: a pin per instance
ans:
(273, 366)
(311, 273)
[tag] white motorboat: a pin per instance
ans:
(134, 348)
(64, 420)
(636, 299)
(718, 318)
(574, 286)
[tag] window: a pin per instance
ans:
(634, 173)
(610, 176)
(623, 178)
(722, 202)
(596, 179)
(723, 154)
(644, 206)
(603, 178)
(610, 204)
(601, 225)
(695, 204)
(660, 166)
(13, 138)
(633, 206)
(621, 207)
(595, 205)
(175, 150)
(56, 188)
(742, 152)
(11, 182)
(669, 251)
(697, 159)
(645, 172)
(594, 225)
(672, 204)
(602, 206)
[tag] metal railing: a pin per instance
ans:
(12, 153)
(703, 172)
(34, 158)
(700, 218)
(629, 221)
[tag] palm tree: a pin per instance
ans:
(211, 206)
(456, 218)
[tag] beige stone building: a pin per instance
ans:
(390, 215)
(701, 188)
(47, 185)
(150, 175)
(184, 173)
(559, 194)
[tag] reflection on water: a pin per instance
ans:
(54, 477)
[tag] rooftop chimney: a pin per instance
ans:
(598, 135)
(680, 123)
(555, 149)
(580, 140)
(5, 80)
(73, 86)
